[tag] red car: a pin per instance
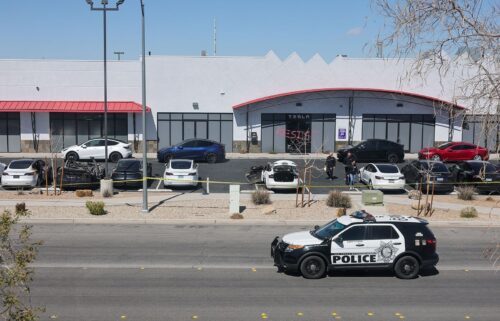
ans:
(454, 151)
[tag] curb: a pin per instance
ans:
(228, 222)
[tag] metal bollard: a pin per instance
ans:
(208, 186)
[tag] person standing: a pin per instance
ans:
(330, 164)
(353, 173)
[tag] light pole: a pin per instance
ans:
(145, 208)
(105, 9)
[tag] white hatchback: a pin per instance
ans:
(25, 173)
(95, 148)
(181, 172)
(382, 176)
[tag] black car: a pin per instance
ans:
(402, 244)
(484, 176)
(425, 173)
(79, 175)
(196, 149)
(128, 173)
(374, 150)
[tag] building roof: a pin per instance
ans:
(318, 90)
(70, 106)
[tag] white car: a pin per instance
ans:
(382, 176)
(95, 148)
(281, 174)
(181, 172)
(25, 173)
(2, 168)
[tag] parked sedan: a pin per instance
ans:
(181, 172)
(382, 176)
(281, 175)
(374, 150)
(128, 173)
(26, 173)
(454, 151)
(423, 174)
(195, 149)
(95, 149)
(482, 175)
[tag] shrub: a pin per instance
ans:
(261, 197)
(341, 212)
(96, 208)
(84, 193)
(468, 212)
(107, 194)
(237, 216)
(465, 193)
(337, 199)
(489, 199)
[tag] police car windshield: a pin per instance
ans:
(328, 230)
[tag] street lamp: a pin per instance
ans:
(145, 208)
(105, 9)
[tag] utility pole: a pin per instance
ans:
(215, 36)
(145, 208)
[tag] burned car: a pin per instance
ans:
(79, 175)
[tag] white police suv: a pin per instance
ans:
(403, 244)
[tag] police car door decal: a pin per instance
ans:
(350, 247)
(381, 245)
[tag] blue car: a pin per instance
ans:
(195, 149)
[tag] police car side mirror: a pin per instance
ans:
(316, 227)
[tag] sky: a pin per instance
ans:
(67, 29)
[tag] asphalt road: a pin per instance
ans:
(216, 272)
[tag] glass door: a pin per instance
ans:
(298, 133)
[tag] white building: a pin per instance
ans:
(248, 103)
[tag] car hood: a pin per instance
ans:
(301, 238)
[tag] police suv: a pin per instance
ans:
(403, 244)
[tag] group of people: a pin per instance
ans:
(351, 169)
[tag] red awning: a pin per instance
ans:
(70, 106)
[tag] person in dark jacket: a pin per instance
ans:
(353, 173)
(330, 164)
(348, 166)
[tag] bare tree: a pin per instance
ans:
(458, 39)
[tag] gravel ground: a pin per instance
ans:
(217, 209)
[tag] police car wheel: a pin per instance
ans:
(313, 267)
(407, 267)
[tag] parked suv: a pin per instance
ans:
(95, 149)
(374, 150)
(195, 149)
(402, 244)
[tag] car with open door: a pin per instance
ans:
(454, 151)
(402, 244)
(26, 173)
(382, 176)
(483, 176)
(427, 175)
(373, 150)
(280, 175)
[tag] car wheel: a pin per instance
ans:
(393, 158)
(72, 155)
(115, 157)
(407, 267)
(313, 267)
(477, 157)
(436, 158)
(211, 158)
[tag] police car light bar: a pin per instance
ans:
(363, 215)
